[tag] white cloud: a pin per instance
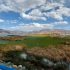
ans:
(38, 6)
(61, 23)
(37, 26)
(55, 15)
(27, 16)
(1, 20)
(19, 5)
(59, 13)
(36, 12)
(64, 11)
(8, 5)
(32, 27)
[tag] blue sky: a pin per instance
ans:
(29, 15)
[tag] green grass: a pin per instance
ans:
(44, 41)
(34, 41)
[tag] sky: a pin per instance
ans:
(33, 15)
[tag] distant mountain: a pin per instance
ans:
(45, 31)
(52, 32)
(4, 32)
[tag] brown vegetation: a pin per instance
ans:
(61, 52)
(8, 48)
(13, 38)
(55, 53)
(12, 48)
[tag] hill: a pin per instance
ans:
(54, 32)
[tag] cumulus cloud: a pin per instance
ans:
(36, 12)
(32, 17)
(20, 5)
(64, 11)
(39, 8)
(55, 15)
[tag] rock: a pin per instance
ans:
(23, 68)
(9, 64)
(61, 66)
(47, 63)
(23, 56)
(14, 66)
(31, 58)
(19, 67)
(69, 67)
